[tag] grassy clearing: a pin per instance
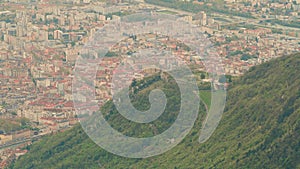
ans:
(205, 96)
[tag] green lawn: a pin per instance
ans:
(205, 96)
(167, 12)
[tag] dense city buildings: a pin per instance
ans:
(40, 42)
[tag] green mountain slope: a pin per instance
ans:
(260, 128)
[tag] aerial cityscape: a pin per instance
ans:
(41, 40)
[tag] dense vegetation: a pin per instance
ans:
(11, 125)
(293, 24)
(139, 96)
(260, 128)
(218, 7)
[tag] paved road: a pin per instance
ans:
(13, 144)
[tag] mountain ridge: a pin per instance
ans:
(260, 128)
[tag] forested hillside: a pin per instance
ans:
(260, 128)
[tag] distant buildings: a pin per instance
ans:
(40, 45)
